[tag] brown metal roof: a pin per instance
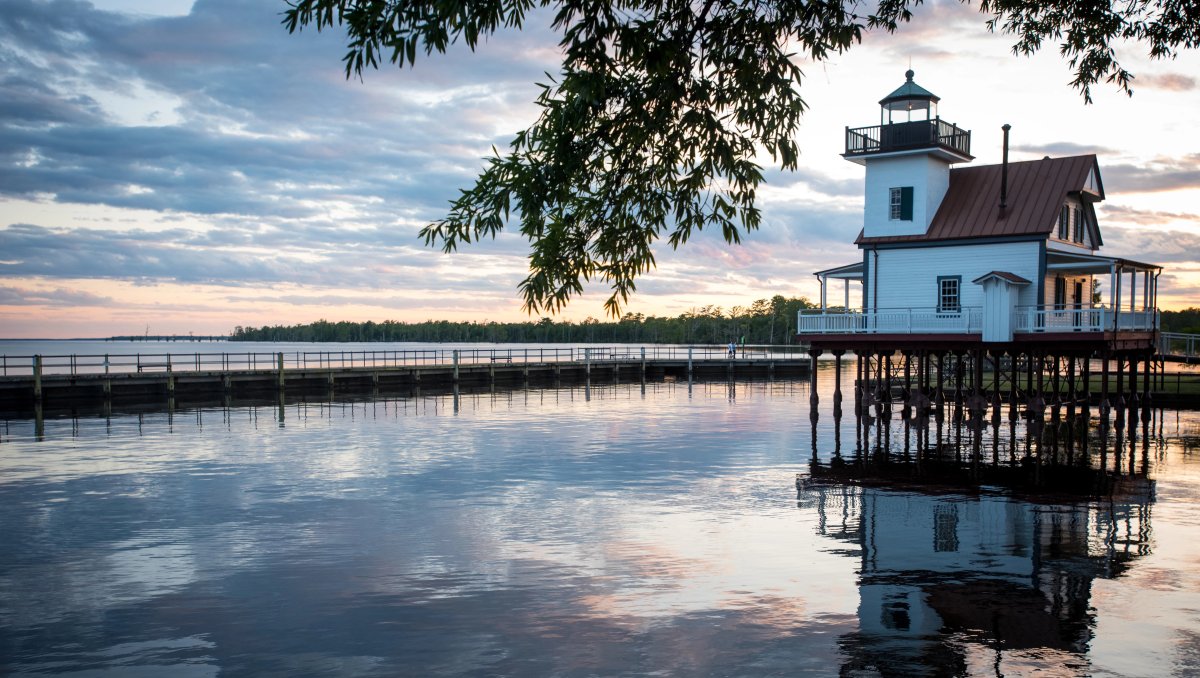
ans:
(1011, 277)
(971, 208)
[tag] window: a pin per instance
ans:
(900, 204)
(945, 528)
(1064, 222)
(948, 293)
(1078, 225)
(1060, 293)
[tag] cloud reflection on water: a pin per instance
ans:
(566, 531)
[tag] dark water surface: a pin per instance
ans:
(605, 530)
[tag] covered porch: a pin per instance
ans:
(1071, 304)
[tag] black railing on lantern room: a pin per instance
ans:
(903, 136)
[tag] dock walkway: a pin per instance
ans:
(35, 379)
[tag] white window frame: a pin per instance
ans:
(942, 295)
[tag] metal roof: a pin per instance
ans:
(849, 271)
(971, 207)
(1003, 275)
(909, 91)
(1079, 261)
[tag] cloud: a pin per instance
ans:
(265, 123)
(1152, 245)
(60, 297)
(1063, 149)
(1163, 174)
(1117, 213)
(1170, 82)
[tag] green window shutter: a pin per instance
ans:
(906, 203)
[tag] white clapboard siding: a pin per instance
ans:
(929, 178)
(907, 278)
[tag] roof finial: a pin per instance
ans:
(909, 74)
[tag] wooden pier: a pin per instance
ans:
(34, 380)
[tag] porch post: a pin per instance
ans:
(1133, 289)
(822, 279)
(1116, 302)
(846, 303)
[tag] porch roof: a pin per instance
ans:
(1069, 261)
(848, 272)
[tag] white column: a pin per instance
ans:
(1132, 291)
(1116, 303)
(846, 302)
(822, 279)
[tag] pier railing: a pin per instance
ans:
(965, 320)
(113, 363)
(1179, 345)
(969, 320)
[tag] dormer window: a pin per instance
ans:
(1078, 231)
(900, 204)
(1064, 223)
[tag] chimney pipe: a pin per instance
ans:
(1004, 171)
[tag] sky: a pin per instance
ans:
(175, 167)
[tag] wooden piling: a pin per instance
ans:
(37, 378)
(1104, 403)
(837, 380)
(1087, 386)
(1013, 408)
(1120, 402)
(1146, 392)
(813, 398)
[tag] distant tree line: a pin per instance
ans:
(1186, 321)
(766, 321)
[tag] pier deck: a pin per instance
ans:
(35, 379)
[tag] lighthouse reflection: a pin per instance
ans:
(979, 540)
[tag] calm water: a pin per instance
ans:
(604, 530)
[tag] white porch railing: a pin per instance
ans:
(1082, 319)
(1052, 319)
(968, 320)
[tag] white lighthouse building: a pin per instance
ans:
(994, 254)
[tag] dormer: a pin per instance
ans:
(907, 159)
(1076, 227)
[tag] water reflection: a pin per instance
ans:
(594, 529)
(979, 541)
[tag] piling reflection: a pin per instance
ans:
(979, 540)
